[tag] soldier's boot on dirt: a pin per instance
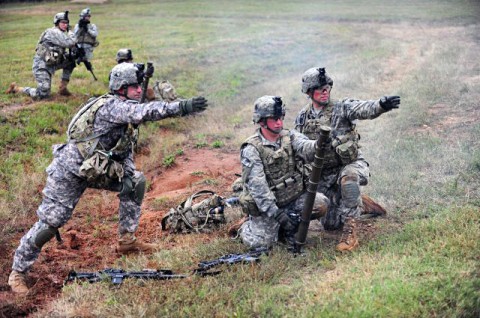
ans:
(349, 240)
(128, 243)
(17, 282)
(62, 89)
(14, 89)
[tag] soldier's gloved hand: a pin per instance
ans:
(193, 105)
(83, 23)
(390, 102)
(127, 186)
(285, 221)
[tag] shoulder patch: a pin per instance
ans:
(247, 163)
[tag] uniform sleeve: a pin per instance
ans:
(92, 30)
(59, 38)
(361, 109)
(303, 147)
(124, 112)
(256, 181)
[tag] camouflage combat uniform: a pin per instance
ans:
(52, 40)
(262, 230)
(65, 184)
(343, 160)
(86, 39)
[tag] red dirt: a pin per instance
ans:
(89, 239)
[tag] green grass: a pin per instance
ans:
(424, 157)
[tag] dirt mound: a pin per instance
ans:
(89, 238)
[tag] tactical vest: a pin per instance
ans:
(344, 148)
(51, 54)
(98, 161)
(283, 178)
(86, 38)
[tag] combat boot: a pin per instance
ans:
(62, 89)
(128, 243)
(349, 240)
(17, 282)
(14, 89)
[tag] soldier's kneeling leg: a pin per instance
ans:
(350, 188)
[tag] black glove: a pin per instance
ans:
(285, 221)
(390, 102)
(193, 105)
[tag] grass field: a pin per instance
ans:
(423, 260)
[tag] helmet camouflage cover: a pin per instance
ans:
(60, 16)
(85, 12)
(315, 78)
(268, 106)
(124, 55)
(124, 74)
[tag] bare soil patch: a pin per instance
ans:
(89, 238)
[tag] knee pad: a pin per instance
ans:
(139, 188)
(44, 235)
(43, 89)
(350, 189)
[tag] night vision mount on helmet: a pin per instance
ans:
(267, 107)
(314, 78)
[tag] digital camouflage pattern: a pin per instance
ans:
(262, 230)
(65, 185)
(342, 117)
(51, 55)
(86, 39)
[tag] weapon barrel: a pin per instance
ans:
(145, 82)
(312, 187)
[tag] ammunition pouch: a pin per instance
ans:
(347, 152)
(248, 204)
(289, 189)
(203, 216)
(52, 56)
(100, 164)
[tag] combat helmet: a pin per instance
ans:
(85, 13)
(123, 75)
(314, 78)
(268, 106)
(124, 55)
(60, 16)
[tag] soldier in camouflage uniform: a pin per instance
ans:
(273, 187)
(98, 154)
(161, 91)
(86, 34)
(51, 55)
(344, 168)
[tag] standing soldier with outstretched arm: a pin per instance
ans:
(344, 167)
(98, 154)
(51, 54)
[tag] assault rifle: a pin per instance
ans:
(247, 258)
(79, 55)
(118, 275)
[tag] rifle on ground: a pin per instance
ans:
(313, 181)
(118, 275)
(247, 258)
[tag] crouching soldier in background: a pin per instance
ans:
(344, 167)
(161, 91)
(98, 154)
(50, 55)
(273, 187)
